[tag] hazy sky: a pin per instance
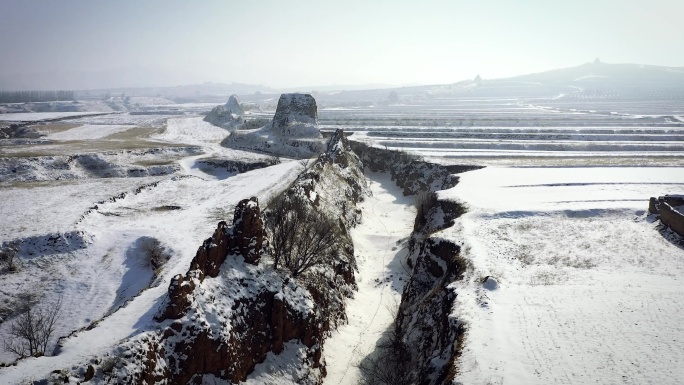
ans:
(307, 43)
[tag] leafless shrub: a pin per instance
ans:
(8, 255)
(273, 160)
(223, 213)
(32, 329)
(525, 256)
(548, 278)
(390, 364)
(423, 202)
(301, 238)
(109, 364)
(155, 253)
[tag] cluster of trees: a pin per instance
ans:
(34, 96)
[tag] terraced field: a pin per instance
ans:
(514, 130)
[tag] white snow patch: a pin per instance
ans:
(89, 132)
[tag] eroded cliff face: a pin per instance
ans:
(424, 318)
(232, 310)
(426, 336)
(409, 172)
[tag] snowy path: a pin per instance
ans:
(195, 131)
(387, 219)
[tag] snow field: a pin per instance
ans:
(588, 289)
(38, 116)
(89, 132)
(387, 220)
(492, 130)
(193, 131)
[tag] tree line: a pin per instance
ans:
(34, 96)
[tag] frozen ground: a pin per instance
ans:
(89, 132)
(379, 247)
(588, 290)
(38, 116)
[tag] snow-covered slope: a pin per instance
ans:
(114, 227)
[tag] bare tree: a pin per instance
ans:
(33, 329)
(301, 238)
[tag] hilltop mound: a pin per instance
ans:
(292, 132)
(296, 116)
(228, 115)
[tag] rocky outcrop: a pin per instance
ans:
(230, 311)
(424, 318)
(245, 238)
(296, 116)
(424, 321)
(18, 131)
(408, 171)
(233, 166)
(670, 209)
(293, 131)
(248, 230)
(434, 214)
(332, 186)
(227, 328)
(228, 115)
(233, 105)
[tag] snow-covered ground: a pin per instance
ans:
(38, 116)
(516, 130)
(195, 131)
(588, 290)
(379, 247)
(89, 132)
(93, 279)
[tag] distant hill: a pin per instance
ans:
(613, 74)
(590, 79)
